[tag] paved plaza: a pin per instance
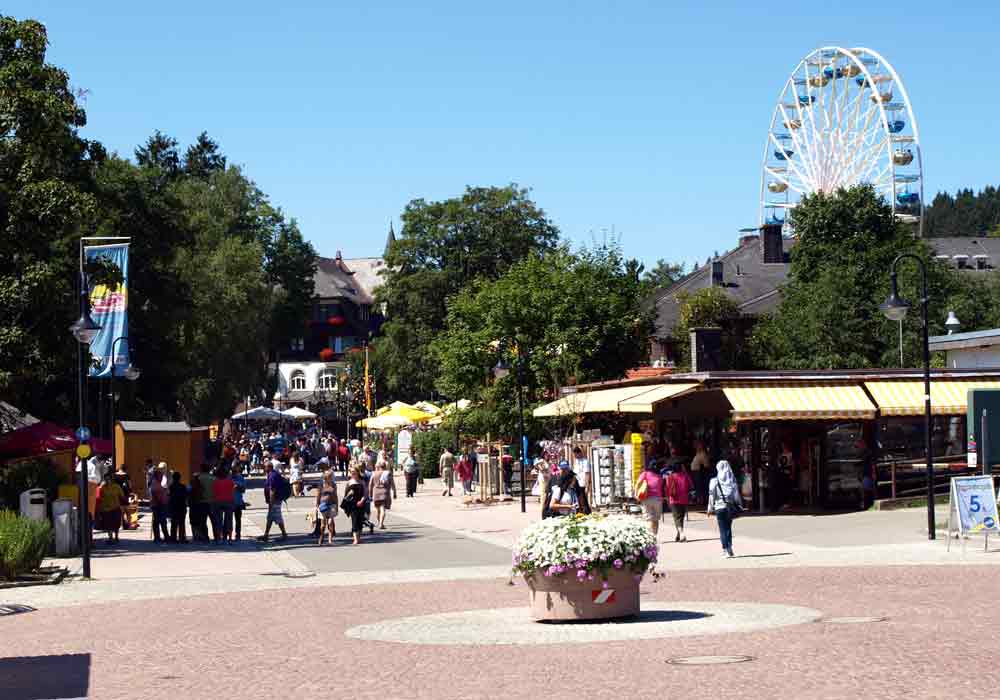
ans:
(812, 606)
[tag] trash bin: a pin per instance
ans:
(34, 504)
(64, 519)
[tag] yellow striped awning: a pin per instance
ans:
(601, 401)
(646, 401)
(800, 402)
(906, 398)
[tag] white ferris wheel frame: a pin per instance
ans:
(852, 161)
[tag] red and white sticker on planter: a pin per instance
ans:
(601, 597)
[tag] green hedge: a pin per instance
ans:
(428, 446)
(21, 476)
(23, 544)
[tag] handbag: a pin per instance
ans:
(642, 491)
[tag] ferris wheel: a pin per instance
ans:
(843, 118)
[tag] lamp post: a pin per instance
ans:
(895, 309)
(84, 330)
(131, 373)
(500, 371)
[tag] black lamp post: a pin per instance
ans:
(895, 308)
(84, 330)
(131, 373)
(501, 370)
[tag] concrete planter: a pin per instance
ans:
(566, 598)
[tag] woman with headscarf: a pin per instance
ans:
(724, 502)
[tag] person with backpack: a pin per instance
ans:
(724, 503)
(276, 491)
(679, 485)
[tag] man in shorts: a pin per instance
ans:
(271, 495)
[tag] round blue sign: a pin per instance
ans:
(989, 522)
(83, 433)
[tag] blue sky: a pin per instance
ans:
(646, 118)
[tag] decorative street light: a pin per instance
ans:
(501, 370)
(84, 330)
(895, 308)
(130, 373)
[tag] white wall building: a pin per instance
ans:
(969, 350)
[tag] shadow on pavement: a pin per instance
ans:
(40, 677)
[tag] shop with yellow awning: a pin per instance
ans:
(906, 398)
(799, 402)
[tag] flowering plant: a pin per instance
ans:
(585, 546)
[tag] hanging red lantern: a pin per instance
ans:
(336, 320)
(326, 354)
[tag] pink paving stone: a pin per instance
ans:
(943, 625)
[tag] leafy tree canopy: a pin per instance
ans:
(568, 318)
(967, 213)
(829, 315)
(443, 248)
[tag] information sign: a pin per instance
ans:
(83, 434)
(973, 507)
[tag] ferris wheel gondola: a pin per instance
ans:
(843, 118)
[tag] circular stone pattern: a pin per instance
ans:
(515, 626)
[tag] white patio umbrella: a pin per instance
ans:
(259, 413)
(296, 412)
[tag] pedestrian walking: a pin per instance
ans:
(724, 503)
(109, 503)
(295, 467)
(543, 475)
(223, 503)
(446, 464)
(679, 486)
(464, 469)
(382, 487)
(326, 507)
(239, 500)
(410, 471)
(343, 456)
(649, 489)
(353, 504)
(276, 490)
(159, 501)
(206, 495)
(177, 503)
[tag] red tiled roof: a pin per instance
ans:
(646, 372)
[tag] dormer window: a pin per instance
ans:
(982, 261)
(961, 261)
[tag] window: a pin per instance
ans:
(298, 344)
(298, 380)
(327, 379)
(962, 261)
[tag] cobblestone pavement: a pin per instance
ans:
(935, 643)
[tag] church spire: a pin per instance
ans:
(390, 239)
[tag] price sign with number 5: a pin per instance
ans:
(976, 504)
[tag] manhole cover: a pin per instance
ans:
(708, 660)
(858, 620)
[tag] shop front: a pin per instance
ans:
(832, 440)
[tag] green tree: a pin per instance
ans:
(566, 318)
(709, 307)
(46, 203)
(663, 274)
(829, 315)
(443, 248)
(203, 158)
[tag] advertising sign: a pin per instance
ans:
(973, 507)
(109, 309)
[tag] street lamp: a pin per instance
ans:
(131, 373)
(84, 330)
(501, 370)
(952, 323)
(895, 308)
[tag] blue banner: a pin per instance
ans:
(109, 309)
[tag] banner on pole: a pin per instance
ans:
(109, 309)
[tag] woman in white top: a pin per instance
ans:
(562, 496)
(723, 501)
(295, 467)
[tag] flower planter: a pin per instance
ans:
(565, 597)
(585, 567)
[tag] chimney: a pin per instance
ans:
(718, 275)
(772, 243)
(706, 349)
